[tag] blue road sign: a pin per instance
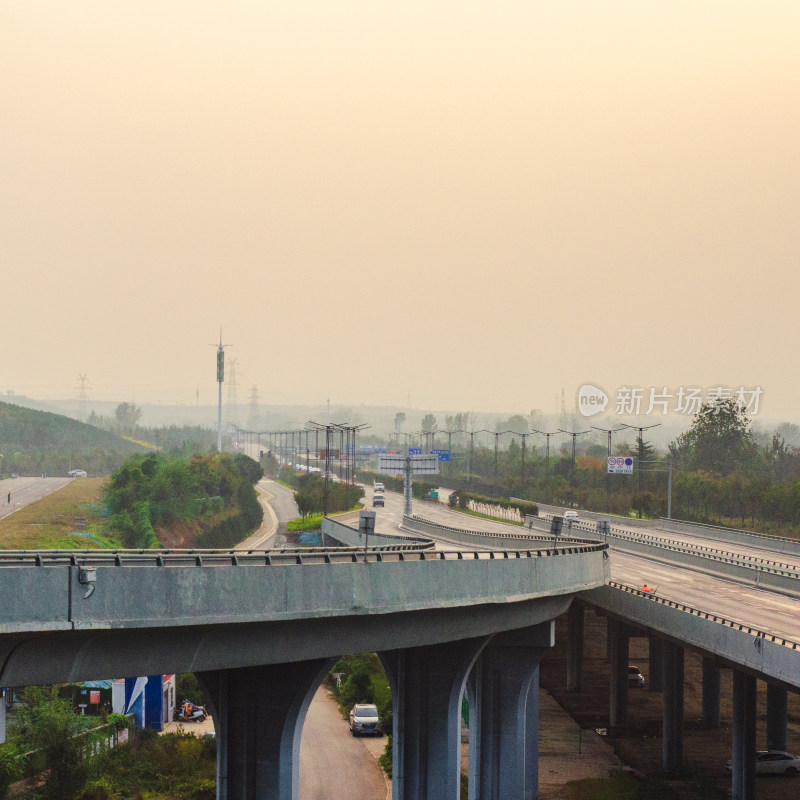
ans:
(415, 451)
(444, 455)
(380, 448)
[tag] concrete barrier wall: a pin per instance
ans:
(596, 515)
(746, 648)
(513, 541)
(346, 536)
(782, 578)
(774, 544)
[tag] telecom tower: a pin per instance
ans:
(220, 378)
(82, 398)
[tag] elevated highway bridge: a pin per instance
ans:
(450, 607)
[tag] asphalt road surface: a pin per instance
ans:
(333, 764)
(765, 610)
(27, 490)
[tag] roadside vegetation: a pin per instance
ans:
(206, 501)
(36, 442)
(310, 493)
(724, 472)
(72, 517)
(203, 501)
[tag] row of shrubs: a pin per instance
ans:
(463, 499)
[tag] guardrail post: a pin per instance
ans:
(777, 717)
(711, 691)
(743, 760)
(575, 626)
(672, 742)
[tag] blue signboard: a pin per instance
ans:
(444, 455)
(415, 451)
(365, 448)
(379, 448)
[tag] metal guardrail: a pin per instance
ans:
(580, 545)
(670, 524)
(724, 621)
(270, 558)
(714, 554)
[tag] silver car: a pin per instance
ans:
(364, 720)
(774, 762)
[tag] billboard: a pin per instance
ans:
(392, 464)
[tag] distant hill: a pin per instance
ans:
(32, 442)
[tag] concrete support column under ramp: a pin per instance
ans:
(743, 778)
(618, 647)
(656, 657)
(672, 741)
(575, 626)
(711, 692)
(777, 717)
(427, 685)
(258, 717)
(507, 693)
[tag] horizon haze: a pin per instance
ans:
(437, 205)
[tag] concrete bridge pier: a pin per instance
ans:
(618, 653)
(743, 778)
(655, 646)
(777, 717)
(258, 717)
(575, 628)
(672, 739)
(427, 684)
(507, 692)
(711, 694)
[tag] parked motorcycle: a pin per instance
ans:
(189, 712)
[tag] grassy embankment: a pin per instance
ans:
(52, 522)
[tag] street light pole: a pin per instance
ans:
(641, 430)
(609, 431)
(546, 462)
(574, 435)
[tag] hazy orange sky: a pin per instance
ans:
(468, 204)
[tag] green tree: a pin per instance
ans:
(399, 421)
(429, 424)
(719, 440)
(128, 416)
(47, 723)
(516, 423)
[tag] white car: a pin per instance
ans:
(378, 487)
(570, 517)
(774, 762)
(77, 473)
(364, 720)
(635, 677)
